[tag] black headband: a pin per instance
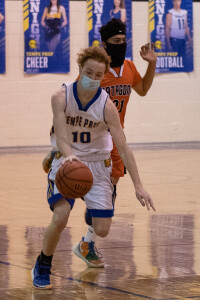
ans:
(106, 34)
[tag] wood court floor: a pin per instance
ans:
(148, 255)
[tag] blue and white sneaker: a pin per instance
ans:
(41, 276)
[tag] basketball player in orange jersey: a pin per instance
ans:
(123, 77)
(92, 123)
(118, 83)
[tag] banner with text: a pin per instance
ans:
(101, 11)
(46, 35)
(2, 37)
(171, 29)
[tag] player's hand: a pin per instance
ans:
(70, 158)
(147, 52)
(144, 198)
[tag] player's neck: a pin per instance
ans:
(85, 96)
(116, 69)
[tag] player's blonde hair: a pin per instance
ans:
(96, 53)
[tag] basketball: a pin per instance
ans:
(74, 179)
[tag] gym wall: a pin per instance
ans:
(170, 112)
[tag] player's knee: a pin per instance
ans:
(102, 232)
(60, 219)
(60, 223)
(102, 226)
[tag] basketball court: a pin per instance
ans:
(148, 255)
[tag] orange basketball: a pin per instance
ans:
(74, 179)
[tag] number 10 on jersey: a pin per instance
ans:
(83, 137)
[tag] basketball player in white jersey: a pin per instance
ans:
(85, 121)
(176, 28)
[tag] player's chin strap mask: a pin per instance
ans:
(117, 53)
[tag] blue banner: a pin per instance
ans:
(46, 35)
(2, 37)
(101, 11)
(171, 29)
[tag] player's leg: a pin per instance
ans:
(101, 226)
(90, 233)
(42, 270)
(118, 171)
(100, 207)
(61, 213)
(87, 250)
(47, 161)
(61, 209)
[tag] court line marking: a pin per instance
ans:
(101, 286)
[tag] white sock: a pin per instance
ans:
(90, 235)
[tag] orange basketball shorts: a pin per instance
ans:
(118, 169)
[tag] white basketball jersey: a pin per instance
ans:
(88, 134)
(179, 19)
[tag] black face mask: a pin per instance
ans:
(117, 53)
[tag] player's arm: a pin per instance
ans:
(58, 103)
(168, 23)
(113, 121)
(147, 53)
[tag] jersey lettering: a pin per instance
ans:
(83, 137)
(80, 121)
(119, 104)
(118, 90)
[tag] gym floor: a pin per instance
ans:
(148, 255)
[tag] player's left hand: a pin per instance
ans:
(147, 52)
(144, 198)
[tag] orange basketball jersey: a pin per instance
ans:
(118, 83)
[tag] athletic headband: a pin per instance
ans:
(107, 33)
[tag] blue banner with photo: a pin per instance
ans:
(101, 11)
(46, 35)
(171, 29)
(2, 37)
